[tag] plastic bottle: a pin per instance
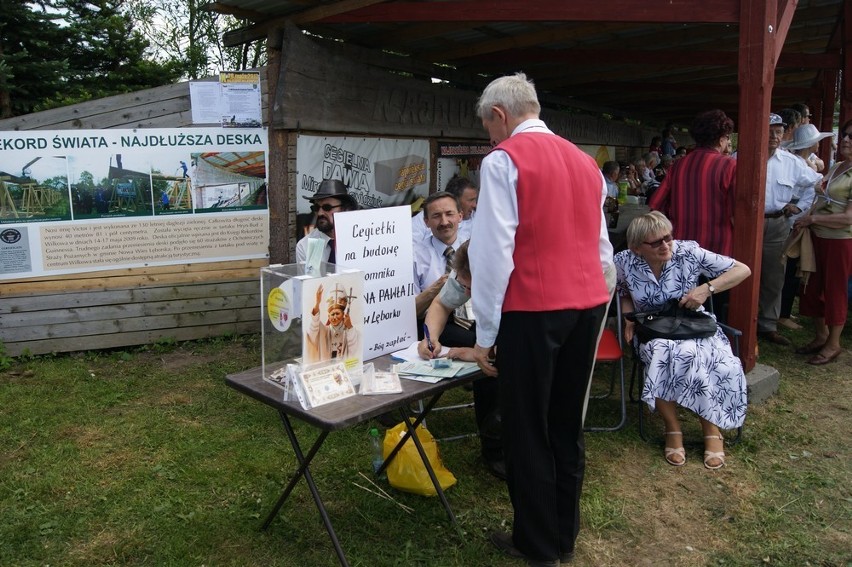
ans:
(623, 186)
(376, 443)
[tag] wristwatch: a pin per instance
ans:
(711, 288)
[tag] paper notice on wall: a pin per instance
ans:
(241, 100)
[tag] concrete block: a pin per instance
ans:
(762, 383)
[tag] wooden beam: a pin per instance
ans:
(267, 23)
(277, 195)
(824, 117)
(846, 71)
(330, 10)
(675, 11)
(756, 78)
(785, 18)
(597, 57)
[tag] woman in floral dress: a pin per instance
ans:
(701, 375)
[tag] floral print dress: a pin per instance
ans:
(702, 375)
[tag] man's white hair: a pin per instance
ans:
(513, 93)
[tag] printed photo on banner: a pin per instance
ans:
(106, 199)
(377, 172)
(333, 319)
(460, 159)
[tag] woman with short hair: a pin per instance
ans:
(701, 375)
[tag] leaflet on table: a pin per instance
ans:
(324, 383)
(374, 382)
(409, 354)
(425, 368)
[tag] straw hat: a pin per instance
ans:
(804, 137)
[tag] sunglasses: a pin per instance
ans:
(657, 243)
(325, 207)
(844, 135)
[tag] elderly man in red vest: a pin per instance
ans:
(538, 253)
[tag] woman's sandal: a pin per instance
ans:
(709, 455)
(819, 358)
(811, 348)
(672, 451)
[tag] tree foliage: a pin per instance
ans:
(183, 33)
(59, 52)
(32, 67)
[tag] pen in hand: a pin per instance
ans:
(428, 339)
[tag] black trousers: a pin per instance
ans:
(484, 394)
(544, 362)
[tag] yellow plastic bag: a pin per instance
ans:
(407, 472)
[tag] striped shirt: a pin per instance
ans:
(697, 195)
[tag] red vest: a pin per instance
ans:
(557, 260)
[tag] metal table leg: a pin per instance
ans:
(305, 471)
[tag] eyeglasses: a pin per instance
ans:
(657, 243)
(326, 207)
(844, 135)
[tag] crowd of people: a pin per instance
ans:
(519, 280)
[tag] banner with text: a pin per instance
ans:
(378, 172)
(379, 243)
(84, 200)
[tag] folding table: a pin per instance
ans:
(342, 415)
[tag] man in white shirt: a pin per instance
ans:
(331, 197)
(789, 191)
(610, 172)
(538, 255)
(431, 255)
(467, 194)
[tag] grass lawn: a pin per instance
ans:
(145, 457)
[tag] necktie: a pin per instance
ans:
(331, 257)
(448, 256)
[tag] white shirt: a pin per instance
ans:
(493, 240)
(302, 246)
(430, 262)
(788, 177)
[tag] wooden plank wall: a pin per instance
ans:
(125, 307)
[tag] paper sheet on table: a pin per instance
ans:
(409, 354)
(424, 368)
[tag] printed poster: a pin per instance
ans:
(84, 200)
(378, 172)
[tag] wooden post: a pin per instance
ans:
(758, 43)
(277, 190)
(846, 50)
(826, 119)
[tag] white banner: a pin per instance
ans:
(379, 243)
(378, 172)
(84, 200)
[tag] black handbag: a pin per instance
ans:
(672, 322)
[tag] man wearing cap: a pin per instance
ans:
(789, 181)
(331, 197)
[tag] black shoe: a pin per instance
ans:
(774, 337)
(503, 542)
(497, 467)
